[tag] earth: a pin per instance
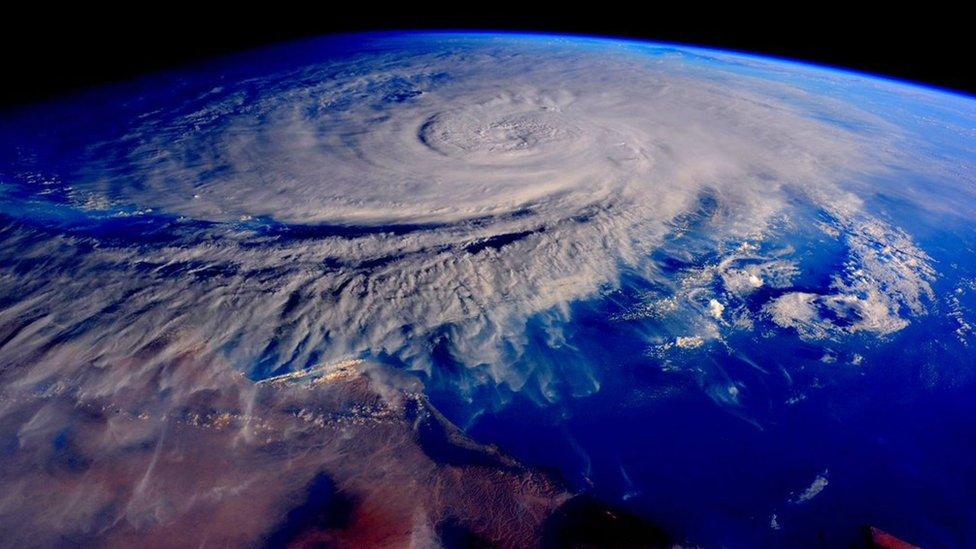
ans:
(480, 289)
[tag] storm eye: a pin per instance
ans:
(428, 289)
(481, 135)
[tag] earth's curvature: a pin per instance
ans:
(450, 289)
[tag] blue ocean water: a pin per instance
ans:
(893, 434)
(761, 438)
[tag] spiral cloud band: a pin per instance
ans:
(366, 204)
(270, 266)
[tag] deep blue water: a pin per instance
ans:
(894, 435)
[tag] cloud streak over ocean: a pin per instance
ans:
(421, 198)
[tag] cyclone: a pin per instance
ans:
(513, 187)
(456, 207)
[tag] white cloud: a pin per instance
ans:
(812, 491)
(448, 197)
(468, 190)
(885, 278)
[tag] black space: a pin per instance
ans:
(44, 57)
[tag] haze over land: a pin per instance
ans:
(436, 207)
